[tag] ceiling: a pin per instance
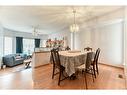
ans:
(48, 19)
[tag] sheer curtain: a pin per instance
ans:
(28, 46)
(8, 45)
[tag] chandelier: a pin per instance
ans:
(74, 27)
(35, 32)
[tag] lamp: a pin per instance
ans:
(74, 27)
(35, 33)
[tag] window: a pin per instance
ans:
(7, 45)
(43, 43)
(28, 46)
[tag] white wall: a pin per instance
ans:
(12, 33)
(106, 19)
(1, 44)
(110, 39)
(83, 39)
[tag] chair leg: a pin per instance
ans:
(85, 80)
(53, 72)
(59, 77)
(94, 71)
(92, 74)
(97, 68)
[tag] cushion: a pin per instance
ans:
(18, 57)
(81, 67)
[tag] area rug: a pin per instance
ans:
(11, 70)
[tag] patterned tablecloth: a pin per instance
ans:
(70, 60)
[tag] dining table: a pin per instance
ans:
(71, 59)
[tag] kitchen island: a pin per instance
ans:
(40, 57)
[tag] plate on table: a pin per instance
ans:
(74, 51)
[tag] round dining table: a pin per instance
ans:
(71, 59)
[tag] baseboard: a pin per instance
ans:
(126, 79)
(125, 73)
(41, 65)
(118, 66)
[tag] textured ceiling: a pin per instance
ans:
(48, 19)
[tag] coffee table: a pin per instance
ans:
(27, 63)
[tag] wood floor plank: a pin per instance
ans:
(40, 78)
(107, 79)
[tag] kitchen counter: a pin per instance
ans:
(41, 58)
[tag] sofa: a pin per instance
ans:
(14, 59)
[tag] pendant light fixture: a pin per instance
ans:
(35, 32)
(74, 27)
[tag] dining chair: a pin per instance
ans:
(57, 65)
(88, 49)
(51, 58)
(98, 53)
(87, 68)
(67, 48)
(95, 62)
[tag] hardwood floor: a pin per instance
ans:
(40, 78)
(107, 79)
(17, 80)
(10, 70)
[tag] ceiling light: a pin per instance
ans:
(74, 27)
(35, 32)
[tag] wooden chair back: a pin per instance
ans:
(88, 49)
(89, 60)
(55, 58)
(96, 55)
(67, 48)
